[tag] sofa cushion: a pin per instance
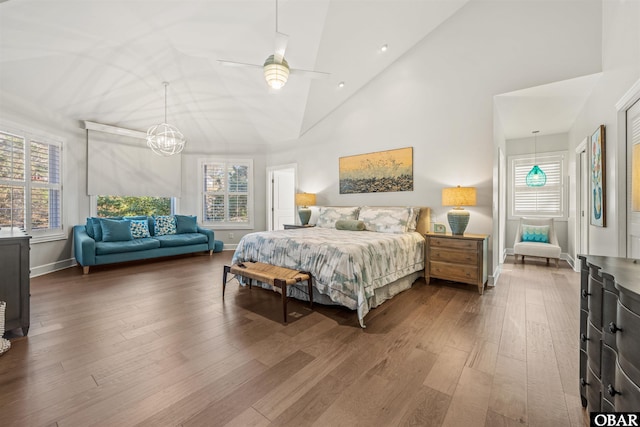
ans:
(186, 224)
(104, 248)
(94, 228)
(164, 225)
(140, 228)
(114, 230)
(172, 240)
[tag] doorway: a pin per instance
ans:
(582, 202)
(281, 189)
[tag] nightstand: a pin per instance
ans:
(458, 258)
(294, 226)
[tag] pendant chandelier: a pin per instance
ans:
(165, 139)
(536, 177)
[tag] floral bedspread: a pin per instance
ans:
(346, 265)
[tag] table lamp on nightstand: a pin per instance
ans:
(457, 197)
(303, 201)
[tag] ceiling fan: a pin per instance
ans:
(276, 68)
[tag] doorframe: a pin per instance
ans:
(627, 100)
(269, 184)
(582, 177)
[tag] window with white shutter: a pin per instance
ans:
(227, 198)
(31, 184)
(545, 201)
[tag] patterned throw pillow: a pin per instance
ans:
(535, 233)
(140, 228)
(386, 219)
(164, 225)
(327, 216)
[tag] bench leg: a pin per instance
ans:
(310, 284)
(224, 278)
(283, 290)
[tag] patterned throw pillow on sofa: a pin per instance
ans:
(164, 225)
(140, 228)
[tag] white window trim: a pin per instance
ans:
(564, 184)
(226, 225)
(32, 134)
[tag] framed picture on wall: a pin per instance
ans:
(598, 188)
(378, 172)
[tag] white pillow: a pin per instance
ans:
(327, 216)
(386, 219)
(413, 218)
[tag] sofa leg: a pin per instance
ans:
(211, 252)
(85, 269)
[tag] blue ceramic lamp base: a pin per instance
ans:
(458, 220)
(305, 215)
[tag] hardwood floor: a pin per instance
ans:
(154, 344)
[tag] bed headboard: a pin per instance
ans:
(424, 220)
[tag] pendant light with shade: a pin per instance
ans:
(536, 177)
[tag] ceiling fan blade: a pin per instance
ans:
(237, 64)
(310, 74)
(280, 47)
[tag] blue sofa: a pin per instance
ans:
(96, 242)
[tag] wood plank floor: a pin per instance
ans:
(154, 344)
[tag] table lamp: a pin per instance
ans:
(303, 201)
(457, 197)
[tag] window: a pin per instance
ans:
(546, 201)
(31, 184)
(227, 197)
(132, 206)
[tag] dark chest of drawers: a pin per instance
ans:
(610, 334)
(14, 278)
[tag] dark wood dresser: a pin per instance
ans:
(610, 334)
(14, 278)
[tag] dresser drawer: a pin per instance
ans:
(442, 242)
(628, 342)
(628, 399)
(455, 272)
(594, 348)
(595, 301)
(456, 256)
(593, 391)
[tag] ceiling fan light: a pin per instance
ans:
(276, 74)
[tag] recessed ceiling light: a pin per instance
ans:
(384, 48)
(341, 84)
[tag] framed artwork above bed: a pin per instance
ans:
(382, 171)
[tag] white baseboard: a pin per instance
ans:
(54, 266)
(229, 246)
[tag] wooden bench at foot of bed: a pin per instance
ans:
(278, 277)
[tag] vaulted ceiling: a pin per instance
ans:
(105, 61)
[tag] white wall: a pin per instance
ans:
(438, 98)
(621, 69)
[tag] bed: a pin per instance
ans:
(356, 269)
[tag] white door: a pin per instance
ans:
(633, 183)
(281, 197)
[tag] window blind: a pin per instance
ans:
(547, 200)
(123, 165)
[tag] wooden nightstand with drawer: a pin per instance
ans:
(457, 258)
